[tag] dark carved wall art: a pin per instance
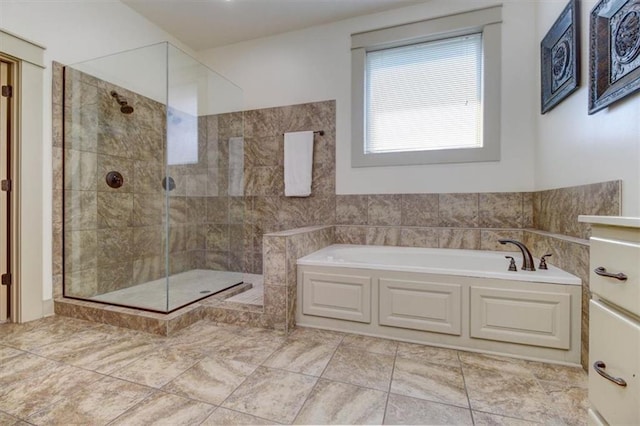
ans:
(560, 58)
(614, 52)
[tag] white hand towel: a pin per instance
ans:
(298, 163)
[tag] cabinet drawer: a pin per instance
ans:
(346, 297)
(614, 339)
(421, 305)
(616, 256)
(527, 317)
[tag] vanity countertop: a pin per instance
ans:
(630, 222)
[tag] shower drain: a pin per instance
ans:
(205, 291)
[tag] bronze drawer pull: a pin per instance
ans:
(599, 366)
(601, 270)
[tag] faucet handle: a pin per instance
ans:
(512, 263)
(543, 261)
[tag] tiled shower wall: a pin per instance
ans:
(108, 231)
(266, 207)
(116, 238)
(206, 222)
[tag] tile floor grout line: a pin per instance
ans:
(332, 356)
(65, 364)
(353, 384)
(110, 422)
(95, 371)
(198, 400)
(547, 394)
(508, 416)
(80, 389)
(151, 389)
(330, 380)
(317, 380)
(532, 376)
(448, 404)
(466, 390)
(164, 391)
(220, 407)
(305, 400)
(236, 388)
(162, 388)
(393, 370)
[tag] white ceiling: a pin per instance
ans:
(204, 24)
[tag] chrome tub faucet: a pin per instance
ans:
(527, 259)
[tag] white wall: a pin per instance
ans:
(575, 148)
(315, 64)
(71, 31)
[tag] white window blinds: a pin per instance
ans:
(425, 96)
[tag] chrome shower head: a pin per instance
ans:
(125, 108)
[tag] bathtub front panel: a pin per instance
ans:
(527, 317)
(421, 305)
(346, 297)
(537, 321)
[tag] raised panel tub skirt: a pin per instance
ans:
(462, 299)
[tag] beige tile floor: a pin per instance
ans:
(61, 371)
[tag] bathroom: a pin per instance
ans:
(553, 167)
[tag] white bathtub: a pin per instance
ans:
(467, 263)
(463, 299)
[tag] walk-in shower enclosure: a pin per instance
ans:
(153, 180)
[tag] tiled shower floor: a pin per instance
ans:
(61, 371)
(184, 288)
(253, 296)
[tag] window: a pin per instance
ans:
(427, 92)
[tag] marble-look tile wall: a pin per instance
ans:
(469, 221)
(557, 210)
(266, 207)
(556, 215)
(572, 255)
(206, 221)
(281, 250)
(225, 203)
(110, 233)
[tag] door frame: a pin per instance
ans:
(31, 298)
(12, 101)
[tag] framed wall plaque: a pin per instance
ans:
(614, 52)
(560, 58)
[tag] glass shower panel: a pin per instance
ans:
(113, 157)
(205, 249)
(146, 181)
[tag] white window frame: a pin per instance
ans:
(486, 21)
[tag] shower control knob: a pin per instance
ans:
(114, 180)
(168, 184)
